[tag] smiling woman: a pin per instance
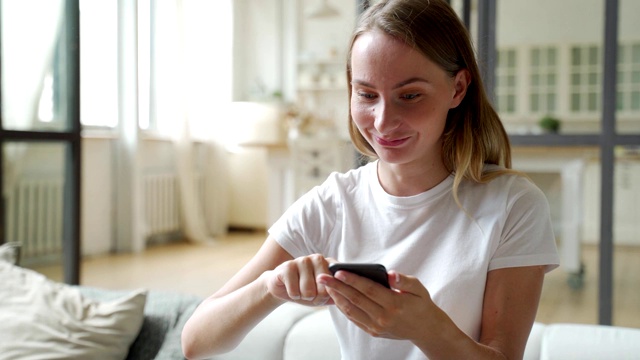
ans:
(402, 114)
(439, 206)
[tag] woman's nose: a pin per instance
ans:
(386, 118)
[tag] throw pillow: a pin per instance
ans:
(10, 252)
(43, 319)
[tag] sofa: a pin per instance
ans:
(42, 319)
(296, 332)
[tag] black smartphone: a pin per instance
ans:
(375, 272)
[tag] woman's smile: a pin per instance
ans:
(391, 142)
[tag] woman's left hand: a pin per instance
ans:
(405, 311)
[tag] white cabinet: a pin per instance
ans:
(313, 159)
(319, 54)
(321, 76)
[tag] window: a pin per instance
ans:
(543, 80)
(629, 78)
(585, 79)
(99, 63)
(189, 65)
(180, 49)
(506, 81)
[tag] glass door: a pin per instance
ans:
(40, 134)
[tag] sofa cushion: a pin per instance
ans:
(266, 341)
(43, 319)
(532, 350)
(312, 337)
(589, 342)
(165, 314)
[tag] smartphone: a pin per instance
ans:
(375, 272)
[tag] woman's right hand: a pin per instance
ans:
(295, 280)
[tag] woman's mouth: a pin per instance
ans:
(391, 142)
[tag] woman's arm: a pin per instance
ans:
(510, 305)
(407, 312)
(269, 279)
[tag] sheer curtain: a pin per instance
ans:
(192, 83)
(29, 39)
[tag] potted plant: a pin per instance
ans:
(549, 124)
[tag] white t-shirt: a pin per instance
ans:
(352, 219)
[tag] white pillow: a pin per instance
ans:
(10, 252)
(42, 319)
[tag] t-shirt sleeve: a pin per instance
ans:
(304, 226)
(527, 238)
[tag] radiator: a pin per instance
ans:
(161, 205)
(34, 209)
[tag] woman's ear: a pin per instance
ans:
(460, 84)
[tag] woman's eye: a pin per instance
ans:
(410, 96)
(366, 95)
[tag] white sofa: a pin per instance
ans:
(295, 332)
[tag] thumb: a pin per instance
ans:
(406, 284)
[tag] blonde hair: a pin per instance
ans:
(473, 134)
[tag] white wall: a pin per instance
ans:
(249, 190)
(556, 22)
(97, 195)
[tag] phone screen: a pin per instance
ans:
(375, 272)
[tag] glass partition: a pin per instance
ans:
(548, 82)
(34, 199)
(549, 66)
(626, 239)
(40, 134)
(34, 66)
(628, 94)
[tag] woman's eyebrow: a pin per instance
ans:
(361, 82)
(410, 81)
(398, 85)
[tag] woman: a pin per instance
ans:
(468, 239)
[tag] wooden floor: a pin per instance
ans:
(200, 269)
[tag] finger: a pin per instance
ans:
(362, 318)
(321, 267)
(406, 284)
(363, 286)
(358, 296)
(290, 277)
(307, 271)
(344, 304)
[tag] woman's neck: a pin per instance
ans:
(410, 179)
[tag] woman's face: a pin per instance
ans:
(400, 99)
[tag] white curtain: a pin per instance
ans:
(193, 88)
(30, 29)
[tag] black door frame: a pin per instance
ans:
(72, 189)
(607, 140)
